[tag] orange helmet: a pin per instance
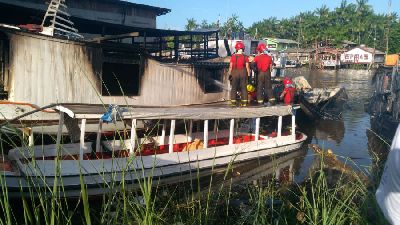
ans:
(239, 45)
(287, 81)
(261, 47)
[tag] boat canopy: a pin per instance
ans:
(201, 112)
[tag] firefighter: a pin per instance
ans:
(263, 63)
(239, 70)
(252, 95)
(288, 92)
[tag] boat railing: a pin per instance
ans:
(83, 113)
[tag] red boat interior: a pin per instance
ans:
(152, 149)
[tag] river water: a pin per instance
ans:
(350, 138)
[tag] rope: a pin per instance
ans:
(27, 114)
(378, 136)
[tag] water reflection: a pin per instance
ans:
(323, 130)
(283, 167)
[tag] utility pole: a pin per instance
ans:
(388, 28)
(298, 41)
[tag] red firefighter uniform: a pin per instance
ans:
(239, 70)
(263, 63)
(288, 92)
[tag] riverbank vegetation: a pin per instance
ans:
(347, 22)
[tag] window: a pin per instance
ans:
(120, 79)
(271, 45)
(253, 47)
(213, 80)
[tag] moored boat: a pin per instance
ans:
(321, 103)
(324, 103)
(101, 164)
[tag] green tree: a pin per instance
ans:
(233, 24)
(205, 25)
(191, 24)
(353, 22)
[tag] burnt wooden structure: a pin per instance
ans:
(41, 70)
(384, 104)
(172, 44)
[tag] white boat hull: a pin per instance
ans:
(102, 176)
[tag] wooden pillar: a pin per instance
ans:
(191, 46)
(217, 44)
(133, 137)
(103, 31)
(31, 141)
(98, 138)
(280, 126)
(163, 131)
(82, 139)
(204, 46)
(176, 47)
(294, 126)
(231, 131)
(190, 138)
(145, 40)
(205, 133)
(160, 46)
(60, 127)
(257, 131)
(172, 136)
(215, 126)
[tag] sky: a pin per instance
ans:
(248, 11)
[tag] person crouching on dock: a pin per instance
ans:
(263, 64)
(239, 70)
(288, 93)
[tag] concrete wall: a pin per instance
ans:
(45, 70)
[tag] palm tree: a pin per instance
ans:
(191, 24)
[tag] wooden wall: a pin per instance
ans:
(46, 70)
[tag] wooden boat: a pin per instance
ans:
(102, 164)
(323, 103)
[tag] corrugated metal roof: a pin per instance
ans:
(371, 50)
(300, 50)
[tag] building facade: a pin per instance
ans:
(362, 55)
(277, 44)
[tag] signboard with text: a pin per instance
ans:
(356, 56)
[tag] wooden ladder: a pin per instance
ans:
(57, 19)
